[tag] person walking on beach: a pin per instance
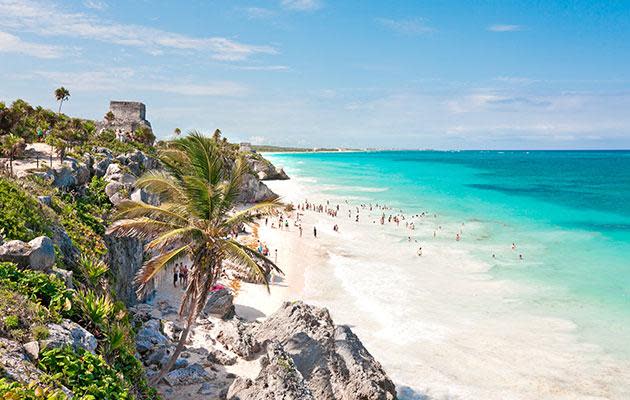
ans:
(419, 251)
(175, 274)
(300, 230)
(315, 232)
(184, 275)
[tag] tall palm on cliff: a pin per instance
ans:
(198, 190)
(61, 94)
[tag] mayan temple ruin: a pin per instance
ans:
(125, 117)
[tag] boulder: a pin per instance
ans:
(254, 191)
(61, 239)
(216, 356)
(144, 196)
(69, 333)
(38, 254)
(100, 167)
(278, 379)
(189, 375)
(15, 363)
(332, 360)
(220, 304)
(235, 336)
(64, 275)
(112, 188)
(150, 333)
(42, 254)
(45, 200)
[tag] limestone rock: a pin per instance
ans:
(220, 304)
(125, 256)
(45, 200)
(15, 364)
(278, 379)
(69, 333)
(216, 356)
(38, 254)
(100, 168)
(254, 191)
(187, 376)
(64, 275)
(331, 358)
(235, 336)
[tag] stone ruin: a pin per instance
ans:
(128, 117)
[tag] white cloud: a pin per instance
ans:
(415, 26)
(12, 44)
(48, 19)
(301, 5)
(262, 67)
(125, 79)
(257, 140)
(505, 28)
(95, 5)
(258, 12)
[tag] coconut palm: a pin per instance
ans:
(196, 218)
(61, 94)
(10, 145)
(177, 132)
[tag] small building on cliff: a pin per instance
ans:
(125, 119)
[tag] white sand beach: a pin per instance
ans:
(438, 324)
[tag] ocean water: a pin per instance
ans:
(568, 212)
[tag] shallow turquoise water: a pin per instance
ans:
(568, 212)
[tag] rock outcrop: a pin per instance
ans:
(38, 254)
(264, 170)
(254, 191)
(124, 257)
(279, 378)
(332, 360)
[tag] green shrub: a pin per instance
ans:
(21, 216)
(11, 322)
(20, 317)
(95, 310)
(40, 332)
(87, 375)
(48, 290)
(33, 391)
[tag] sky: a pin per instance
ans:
(321, 73)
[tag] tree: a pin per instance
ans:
(197, 192)
(61, 94)
(216, 136)
(11, 145)
(177, 132)
(110, 117)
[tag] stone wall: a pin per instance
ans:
(128, 110)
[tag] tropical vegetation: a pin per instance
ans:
(198, 189)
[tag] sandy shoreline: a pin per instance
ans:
(438, 324)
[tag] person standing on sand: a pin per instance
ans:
(420, 251)
(175, 274)
(300, 230)
(315, 232)
(184, 275)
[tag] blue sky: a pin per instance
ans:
(389, 74)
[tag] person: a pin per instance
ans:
(420, 251)
(275, 256)
(300, 230)
(457, 237)
(513, 246)
(520, 256)
(260, 247)
(184, 275)
(266, 221)
(175, 274)
(315, 231)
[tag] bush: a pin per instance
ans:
(87, 375)
(20, 317)
(33, 391)
(48, 290)
(21, 216)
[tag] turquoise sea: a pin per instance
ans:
(567, 211)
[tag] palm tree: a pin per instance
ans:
(61, 94)
(197, 190)
(177, 132)
(10, 145)
(216, 136)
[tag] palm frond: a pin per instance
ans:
(150, 268)
(139, 228)
(138, 209)
(181, 235)
(247, 215)
(245, 256)
(160, 183)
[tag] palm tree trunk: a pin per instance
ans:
(60, 103)
(192, 316)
